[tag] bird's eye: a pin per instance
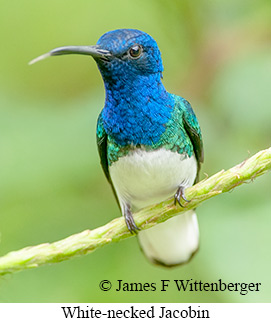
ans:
(135, 51)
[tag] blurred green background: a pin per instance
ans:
(217, 54)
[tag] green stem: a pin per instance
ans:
(90, 240)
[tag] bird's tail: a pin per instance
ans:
(172, 242)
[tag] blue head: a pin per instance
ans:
(132, 53)
(137, 106)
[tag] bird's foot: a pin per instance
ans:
(180, 195)
(129, 220)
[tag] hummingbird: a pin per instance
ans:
(149, 140)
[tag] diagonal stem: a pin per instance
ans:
(116, 230)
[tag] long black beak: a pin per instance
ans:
(94, 51)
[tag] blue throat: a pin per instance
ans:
(137, 109)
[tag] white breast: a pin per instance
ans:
(142, 178)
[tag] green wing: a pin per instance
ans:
(192, 129)
(101, 137)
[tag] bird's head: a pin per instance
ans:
(131, 51)
(119, 53)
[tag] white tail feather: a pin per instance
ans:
(172, 242)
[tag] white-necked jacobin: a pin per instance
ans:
(149, 140)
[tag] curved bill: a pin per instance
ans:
(94, 51)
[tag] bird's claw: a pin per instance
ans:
(129, 220)
(180, 195)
